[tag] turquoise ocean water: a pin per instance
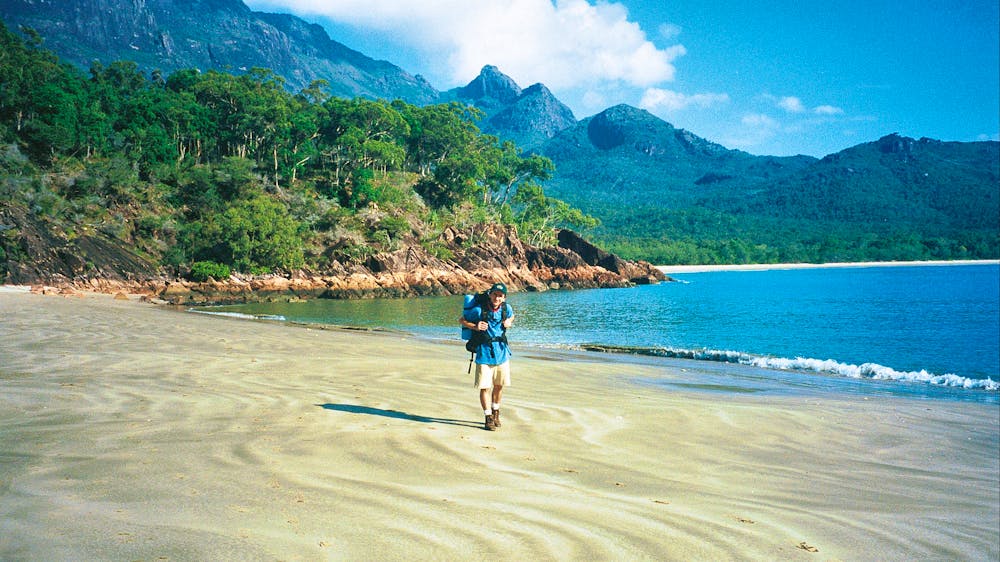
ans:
(928, 331)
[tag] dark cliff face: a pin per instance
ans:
(608, 129)
(491, 89)
(639, 131)
(209, 34)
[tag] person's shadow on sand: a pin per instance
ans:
(354, 409)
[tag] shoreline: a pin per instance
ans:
(799, 374)
(181, 292)
(668, 269)
(136, 431)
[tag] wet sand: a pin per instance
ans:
(129, 431)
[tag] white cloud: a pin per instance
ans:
(669, 31)
(754, 130)
(657, 99)
(794, 104)
(759, 120)
(565, 43)
(594, 100)
(791, 104)
(828, 110)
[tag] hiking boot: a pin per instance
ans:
(490, 426)
(496, 418)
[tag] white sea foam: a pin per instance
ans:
(240, 315)
(871, 371)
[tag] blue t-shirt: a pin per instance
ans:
(491, 352)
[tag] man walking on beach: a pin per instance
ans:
(489, 323)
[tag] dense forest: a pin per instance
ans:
(207, 172)
(709, 236)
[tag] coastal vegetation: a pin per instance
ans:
(203, 172)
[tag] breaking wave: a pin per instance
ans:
(239, 315)
(871, 371)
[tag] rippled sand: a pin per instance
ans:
(130, 432)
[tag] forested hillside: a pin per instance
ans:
(671, 197)
(202, 173)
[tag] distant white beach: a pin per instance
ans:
(668, 269)
(15, 289)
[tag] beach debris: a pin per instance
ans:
(124, 537)
(746, 520)
(806, 547)
(661, 502)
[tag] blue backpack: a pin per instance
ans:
(475, 338)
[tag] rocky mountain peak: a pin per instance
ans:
(895, 144)
(615, 125)
(534, 117)
(491, 85)
(538, 89)
(626, 114)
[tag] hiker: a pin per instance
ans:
(489, 322)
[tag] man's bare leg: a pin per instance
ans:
(497, 393)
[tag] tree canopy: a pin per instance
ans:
(236, 170)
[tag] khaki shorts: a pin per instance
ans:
(488, 376)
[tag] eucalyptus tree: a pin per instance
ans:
(360, 137)
(43, 102)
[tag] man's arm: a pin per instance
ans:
(478, 326)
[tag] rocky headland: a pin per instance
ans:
(52, 263)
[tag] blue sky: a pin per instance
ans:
(769, 77)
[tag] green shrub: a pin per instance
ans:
(260, 236)
(394, 226)
(437, 249)
(383, 240)
(202, 270)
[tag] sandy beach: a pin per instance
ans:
(135, 432)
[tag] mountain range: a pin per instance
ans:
(654, 186)
(168, 35)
